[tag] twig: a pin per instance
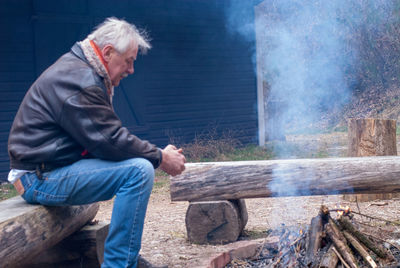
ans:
(286, 252)
(280, 257)
(378, 204)
(371, 217)
(359, 211)
(257, 255)
(340, 257)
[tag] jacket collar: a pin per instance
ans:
(77, 51)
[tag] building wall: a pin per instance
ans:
(198, 76)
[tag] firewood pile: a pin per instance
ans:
(334, 238)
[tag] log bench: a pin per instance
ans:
(204, 183)
(42, 236)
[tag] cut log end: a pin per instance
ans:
(216, 222)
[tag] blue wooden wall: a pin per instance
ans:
(197, 76)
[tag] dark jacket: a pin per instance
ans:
(67, 111)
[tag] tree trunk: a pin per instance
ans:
(371, 137)
(294, 177)
(27, 230)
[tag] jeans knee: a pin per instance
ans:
(145, 168)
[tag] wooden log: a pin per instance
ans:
(341, 245)
(377, 249)
(293, 177)
(27, 230)
(360, 249)
(371, 137)
(84, 248)
(314, 237)
(240, 205)
(343, 262)
(330, 259)
(214, 222)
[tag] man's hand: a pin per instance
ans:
(173, 161)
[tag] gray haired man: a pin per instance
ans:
(68, 147)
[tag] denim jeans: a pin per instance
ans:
(92, 180)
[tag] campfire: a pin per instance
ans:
(333, 239)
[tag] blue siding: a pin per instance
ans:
(17, 68)
(196, 75)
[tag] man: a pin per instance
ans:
(68, 147)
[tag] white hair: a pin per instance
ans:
(120, 34)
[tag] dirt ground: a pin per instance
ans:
(165, 240)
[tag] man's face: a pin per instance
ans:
(121, 65)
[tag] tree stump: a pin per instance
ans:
(371, 137)
(215, 222)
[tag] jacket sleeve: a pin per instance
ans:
(89, 118)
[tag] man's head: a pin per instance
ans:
(119, 43)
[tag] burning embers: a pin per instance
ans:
(329, 242)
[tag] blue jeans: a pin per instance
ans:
(92, 180)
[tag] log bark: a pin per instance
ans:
(341, 245)
(360, 249)
(27, 230)
(293, 177)
(371, 137)
(314, 237)
(347, 225)
(84, 248)
(214, 222)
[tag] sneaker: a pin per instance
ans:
(143, 263)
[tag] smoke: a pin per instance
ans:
(306, 51)
(307, 55)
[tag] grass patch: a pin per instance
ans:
(247, 153)
(7, 190)
(230, 149)
(161, 181)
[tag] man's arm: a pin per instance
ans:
(90, 120)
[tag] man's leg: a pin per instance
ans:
(93, 180)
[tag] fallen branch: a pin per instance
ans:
(346, 224)
(341, 258)
(364, 254)
(340, 243)
(367, 216)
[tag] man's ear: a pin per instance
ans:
(107, 52)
